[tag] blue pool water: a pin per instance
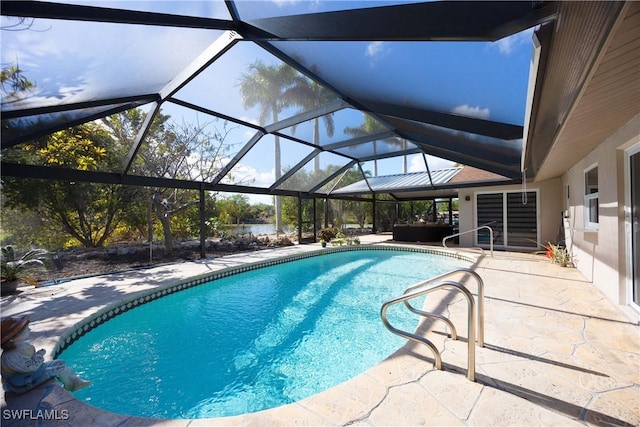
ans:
(251, 341)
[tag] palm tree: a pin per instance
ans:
(307, 95)
(264, 85)
(369, 127)
(14, 269)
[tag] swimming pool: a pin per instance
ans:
(251, 341)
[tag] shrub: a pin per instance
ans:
(328, 234)
(13, 269)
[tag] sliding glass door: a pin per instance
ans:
(490, 212)
(634, 205)
(513, 217)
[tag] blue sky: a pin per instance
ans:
(77, 61)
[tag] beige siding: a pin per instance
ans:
(600, 255)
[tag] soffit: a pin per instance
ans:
(611, 98)
(586, 87)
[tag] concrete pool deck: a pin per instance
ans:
(556, 353)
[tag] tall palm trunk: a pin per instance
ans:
(375, 158)
(404, 158)
(316, 141)
(278, 174)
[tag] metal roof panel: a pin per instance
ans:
(389, 183)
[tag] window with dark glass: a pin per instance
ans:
(591, 197)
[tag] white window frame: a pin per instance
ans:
(634, 149)
(589, 199)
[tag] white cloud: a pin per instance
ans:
(416, 164)
(508, 45)
(435, 163)
(282, 3)
(469, 111)
(505, 45)
(245, 174)
(254, 199)
(375, 51)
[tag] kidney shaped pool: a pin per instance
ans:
(254, 340)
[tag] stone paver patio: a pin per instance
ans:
(556, 353)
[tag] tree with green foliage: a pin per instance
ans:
(308, 94)
(22, 227)
(386, 213)
(236, 206)
(172, 150)
(306, 179)
(87, 212)
(14, 83)
(261, 212)
(360, 211)
(372, 126)
(264, 85)
(301, 179)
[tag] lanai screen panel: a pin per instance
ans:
(373, 82)
(79, 62)
(474, 79)
(200, 144)
(33, 126)
(493, 154)
(246, 83)
(314, 172)
(346, 177)
(256, 9)
(377, 148)
(101, 145)
(257, 168)
(342, 125)
(202, 8)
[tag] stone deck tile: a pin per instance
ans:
(457, 394)
(497, 408)
(563, 346)
(557, 353)
(616, 407)
(411, 405)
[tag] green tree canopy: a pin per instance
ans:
(235, 207)
(87, 212)
(307, 94)
(172, 150)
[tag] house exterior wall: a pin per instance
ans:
(550, 209)
(601, 255)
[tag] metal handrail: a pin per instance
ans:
(454, 335)
(471, 325)
(469, 231)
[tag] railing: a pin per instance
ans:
(479, 281)
(469, 231)
(428, 287)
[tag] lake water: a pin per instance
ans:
(255, 229)
(270, 228)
